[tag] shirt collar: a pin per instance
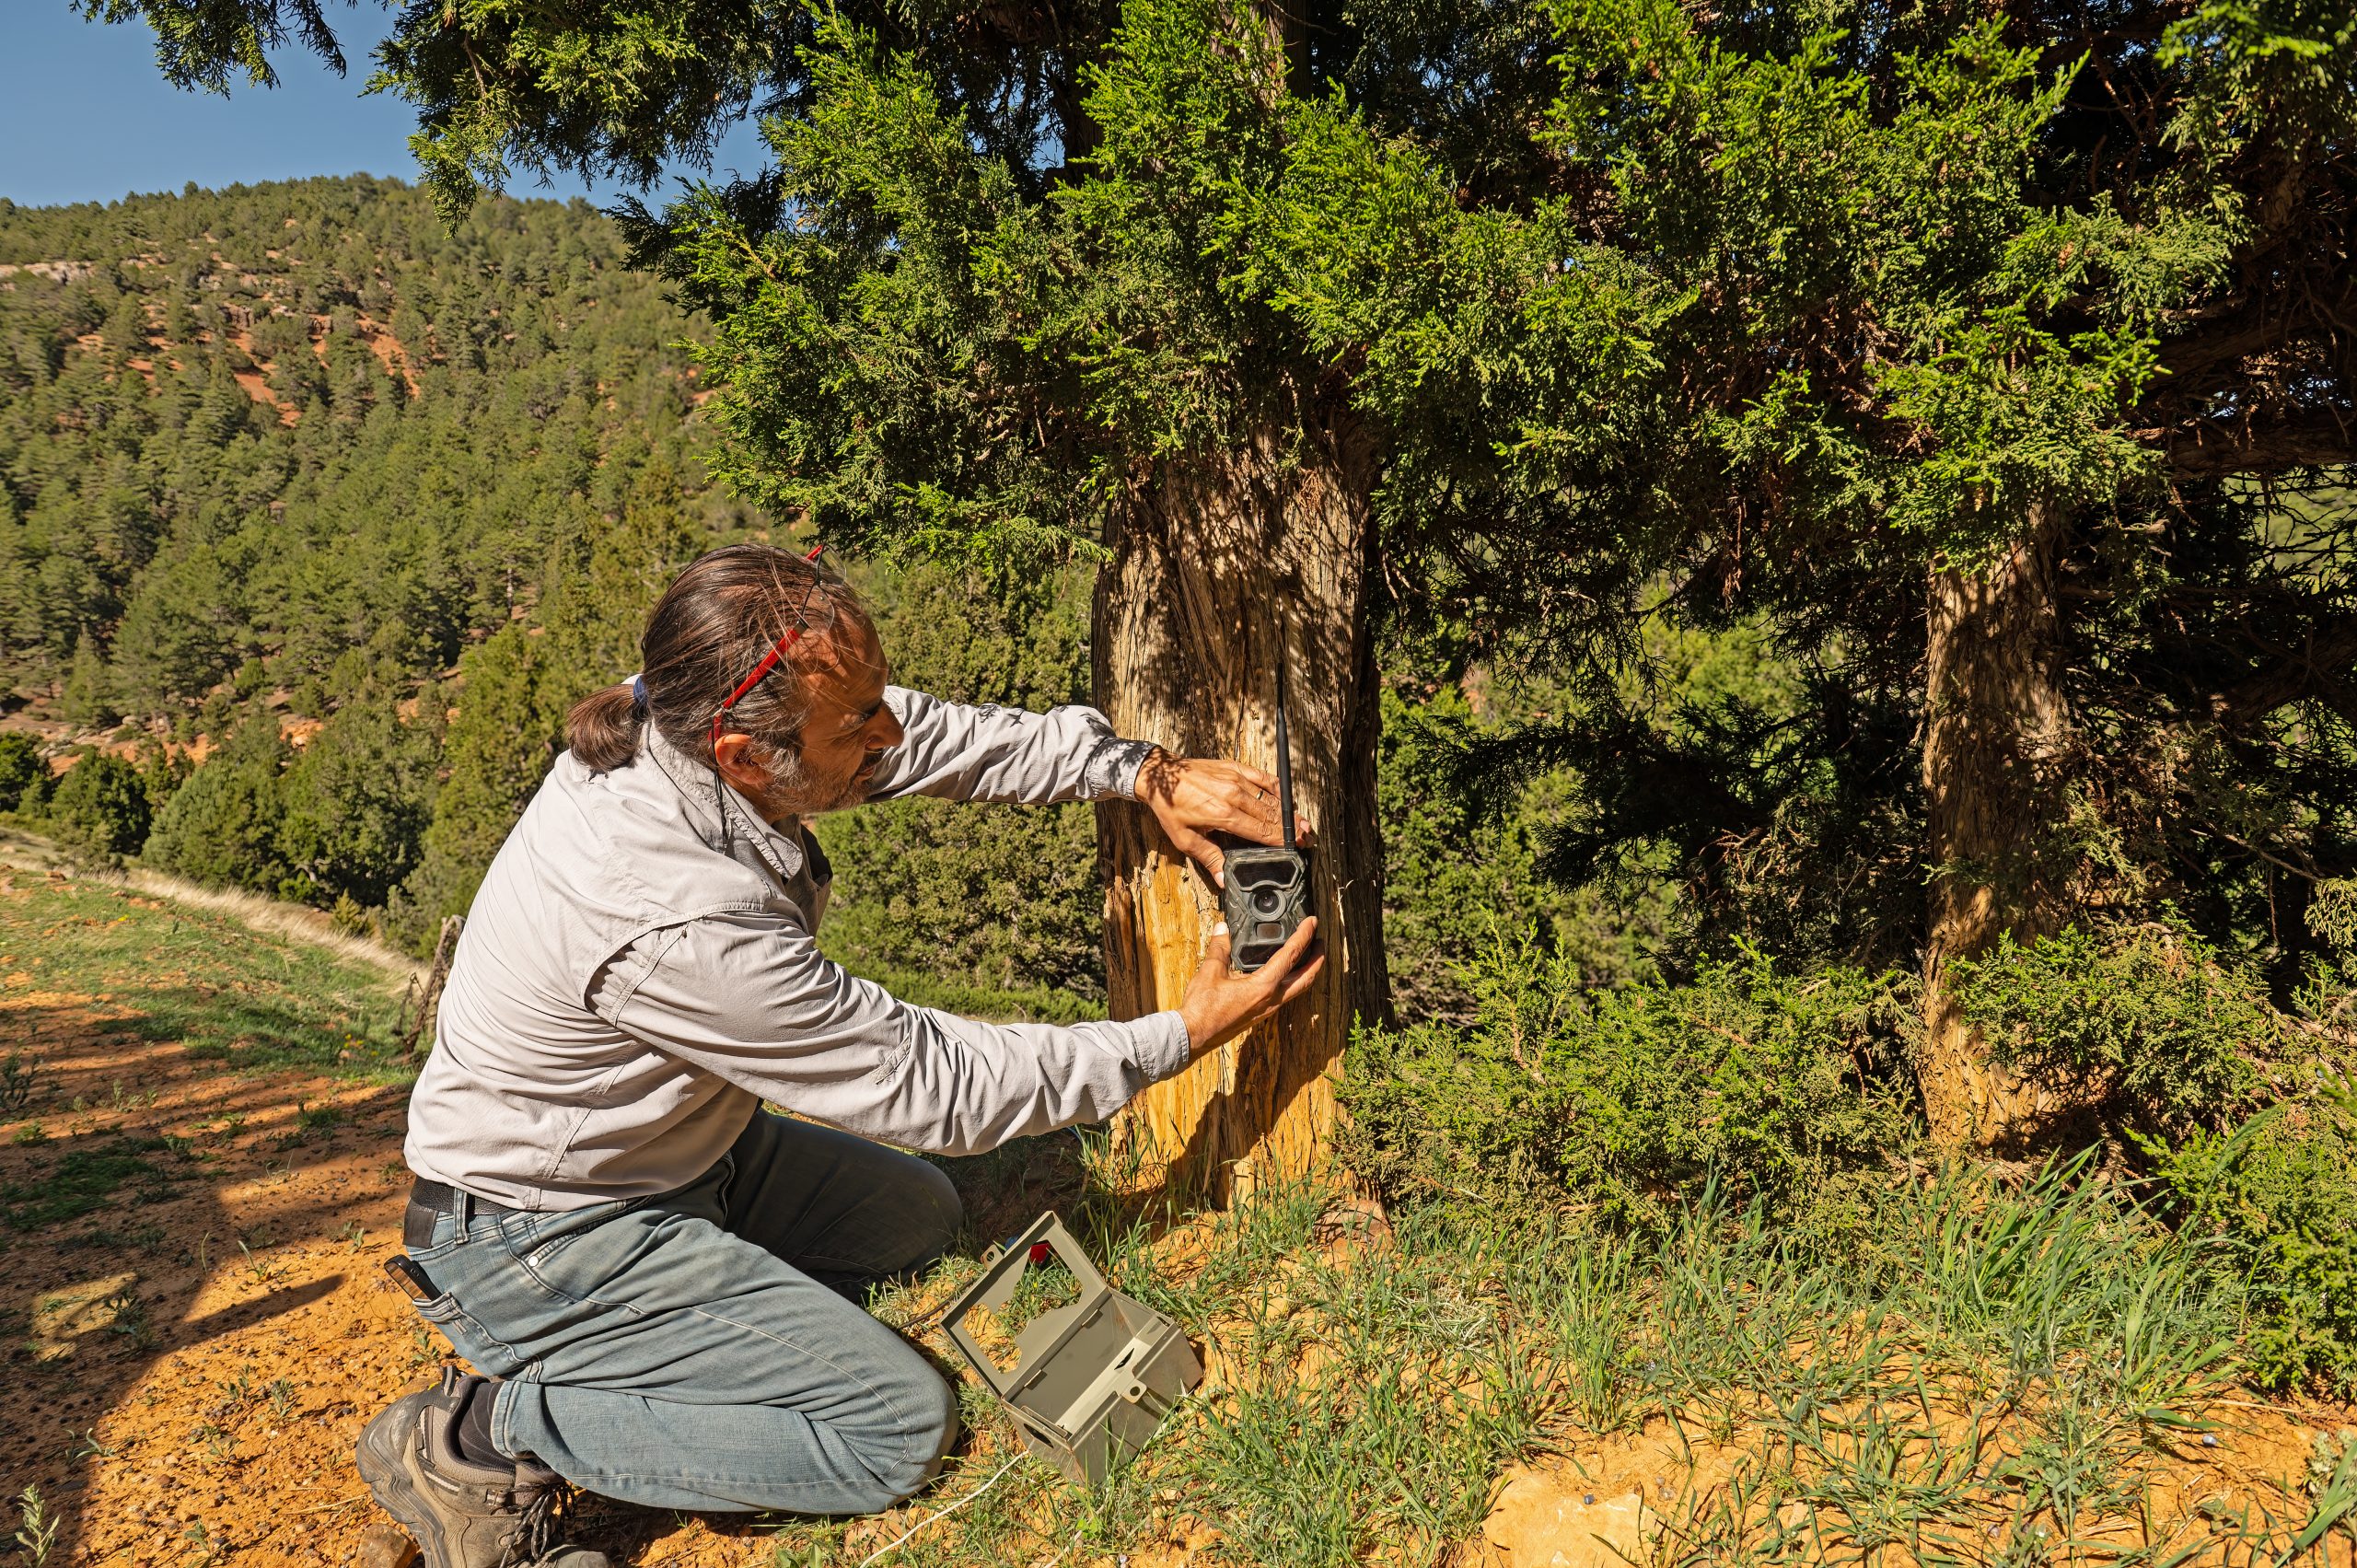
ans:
(779, 847)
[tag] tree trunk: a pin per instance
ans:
(1221, 562)
(1996, 727)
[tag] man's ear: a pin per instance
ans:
(734, 752)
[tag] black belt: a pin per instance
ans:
(429, 1201)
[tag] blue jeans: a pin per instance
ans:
(705, 1349)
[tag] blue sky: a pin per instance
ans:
(85, 116)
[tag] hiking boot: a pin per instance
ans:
(463, 1514)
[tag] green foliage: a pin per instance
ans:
(976, 898)
(2165, 1027)
(161, 772)
(357, 801)
(1771, 1084)
(489, 396)
(87, 698)
(501, 739)
(101, 806)
(496, 447)
(222, 826)
(999, 897)
(2276, 1193)
(205, 43)
(24, 774)
(1461, 865)
(1657, 323)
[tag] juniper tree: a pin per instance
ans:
(1523, 322)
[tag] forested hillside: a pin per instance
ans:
(292, 457)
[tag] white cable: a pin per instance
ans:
(936, 1518)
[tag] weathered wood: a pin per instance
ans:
(429, 1001)
(1996, 728)
(1221, 562)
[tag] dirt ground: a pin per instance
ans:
(1617, 1503)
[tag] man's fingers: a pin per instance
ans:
(1301, 979)
(1280, 962)
(1250, 780)
(1200, 850)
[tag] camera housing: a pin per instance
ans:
(1264, 898)
(1264, 893)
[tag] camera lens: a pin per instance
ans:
(1264, 901)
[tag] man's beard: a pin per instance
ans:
(852, 791)
(793, 793)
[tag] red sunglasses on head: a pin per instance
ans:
(769, 660)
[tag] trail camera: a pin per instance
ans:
(1264, 895)
(1091, 1379)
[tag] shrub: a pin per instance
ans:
(2276, 1193)
(2164, 1028)
(24, 774)
(100, 805)
(1771, 1083)
(221, 827)
(1461, 864)
(1000, 897)
(357, 801)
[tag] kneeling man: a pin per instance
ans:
(659, 1281)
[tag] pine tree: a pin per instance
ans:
(100, 805)
(358, 801)
(88, 697)
(24, 774)
(502, 736)
(222, 826)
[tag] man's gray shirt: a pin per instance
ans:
(631, 984)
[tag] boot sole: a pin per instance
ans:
(382, 1459)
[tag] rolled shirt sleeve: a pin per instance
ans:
(751, 998)
(960, 752)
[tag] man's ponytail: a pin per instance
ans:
(602, 728)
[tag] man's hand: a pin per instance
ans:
(1218, 1005)
(1193, 797)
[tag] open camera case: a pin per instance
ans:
(1091, 1381)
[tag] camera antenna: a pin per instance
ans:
(1284, 754)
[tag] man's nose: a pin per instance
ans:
(887, 732)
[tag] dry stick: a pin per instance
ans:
(431, 999)
(329, 1507)
(350, 1502)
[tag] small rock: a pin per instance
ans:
(385, 1546)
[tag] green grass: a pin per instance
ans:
(169, 972)
(1984, 1372)
(84, 1179)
